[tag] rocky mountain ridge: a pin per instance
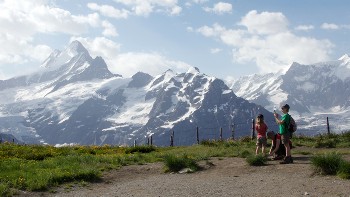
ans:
(76, 99)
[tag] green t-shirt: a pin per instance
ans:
(284, 126)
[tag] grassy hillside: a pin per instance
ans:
(40, 168)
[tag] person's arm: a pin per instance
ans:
(277, 147)
(278, 121)
(272, 145)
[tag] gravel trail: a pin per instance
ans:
(225, 177)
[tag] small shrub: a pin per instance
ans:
(5, 190)
(209, 143)
(346, 135)
(244, 154)
(175, 163)
(327, 143)
(140, 149)
(256, 160)
(230, 143)
(344, 170)
(327, 164)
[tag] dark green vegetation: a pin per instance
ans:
(256, 160)
(40, 168)
(331, 164)
(175, 163)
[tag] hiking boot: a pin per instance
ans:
(287, 160)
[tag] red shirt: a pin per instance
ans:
(261, 129)
(278, 136)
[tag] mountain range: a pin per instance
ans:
(314, 92)
(74, 98)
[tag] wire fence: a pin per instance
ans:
(234, 131)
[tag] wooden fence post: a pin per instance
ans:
(233, 131)
(328, 130)
(221, 134)
(147, 141)
(253, 128)
(172, 138)
(134, 143)
(151, 140)
(197, 129)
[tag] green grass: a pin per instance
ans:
(344, 170)
(256, 160)
(331, 164)
(327, 164)
(41, 168)
(174, 163)
(323, 140)
(140, 149)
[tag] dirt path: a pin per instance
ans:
(226, 177)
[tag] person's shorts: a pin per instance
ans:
(285, 138)
(261, 141)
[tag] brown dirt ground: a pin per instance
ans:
(220, 177)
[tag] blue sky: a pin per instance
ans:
(225, 39)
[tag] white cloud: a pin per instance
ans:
(215, 50)
(109, 11)
(127, 64)
(191, 2)
(305, 27)
(229, 80)
(190, 29)
(265, 22)
(329, 26)
(346, 26)
(206, 31)
(219, 8)
(100, 46)
(200, 1)
(176, 10)
(146, 7)
(109, 29)
(332, 26)
(16, 56)
(211, 31)
(268, 42)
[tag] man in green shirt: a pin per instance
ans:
(285, 134)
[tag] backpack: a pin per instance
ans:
(292, 126)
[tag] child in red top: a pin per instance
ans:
(261, 129)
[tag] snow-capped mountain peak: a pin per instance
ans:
(75, 48)
(313, 91)
(345, 58)
(193, 70)
(76, 99)
(339, 68)
(58, 58)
